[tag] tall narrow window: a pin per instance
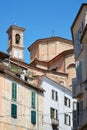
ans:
(14, 91)
(67, 119)
(33, 98)
(53, 113)
(13, 110)
(54, 95)
(33, 117)
(66, 101)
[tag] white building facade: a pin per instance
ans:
(58, 106)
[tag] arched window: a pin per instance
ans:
(17, 38)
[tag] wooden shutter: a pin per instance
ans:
(33, 99)
(56, 96)
(74, 87)
(13, 110)
(14, 91)
(79, 72)
(75, 119)
(33, 117)
(81, 113)
(77, 45)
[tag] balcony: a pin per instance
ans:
(54, 122)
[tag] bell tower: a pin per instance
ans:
(15, 42)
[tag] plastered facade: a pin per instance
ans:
(23, 103)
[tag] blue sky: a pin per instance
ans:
(39, 17)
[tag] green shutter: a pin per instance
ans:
(14, 91)
(33, 99)
(13, 110)
(33, 117)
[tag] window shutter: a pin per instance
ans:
(69, 102)
(69, 120)
(80, 106)
(33, 99)
(53, 94)
(13, 110)
(75, 119)
(33, 117)
(77, 45)
(81, 119)
(14, 91)
(74, 87)
(56, 114)
(81, 113)
(56, 96)
(79, 72)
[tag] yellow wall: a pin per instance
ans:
(23, 102)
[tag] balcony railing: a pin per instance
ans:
(54, 122)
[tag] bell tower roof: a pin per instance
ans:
(16, 28)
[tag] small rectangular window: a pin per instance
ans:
(33, 117)
(67, 119)
(14, 91)
(13, 111)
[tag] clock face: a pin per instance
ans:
(18, 54)
(15, 54)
